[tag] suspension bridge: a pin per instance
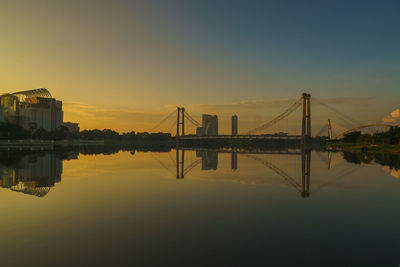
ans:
(208, 157)
(332, 130)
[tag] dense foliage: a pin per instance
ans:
(390, 137)
(14, 131)
(384, 159)
(108, 134)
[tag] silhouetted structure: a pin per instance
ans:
(209, 126)
(234, 125)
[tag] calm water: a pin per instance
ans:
(129, 209)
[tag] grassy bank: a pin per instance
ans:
(393, 149)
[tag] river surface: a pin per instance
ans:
(130, 209)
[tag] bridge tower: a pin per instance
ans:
(180, 120)
(306, 121)
(329, 129)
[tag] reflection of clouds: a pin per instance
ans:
(393, 172)
(94, 165)
(393, 118)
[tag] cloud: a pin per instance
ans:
(393, 118)
(268, 104)
(91, 116)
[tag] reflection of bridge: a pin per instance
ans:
(209, 161)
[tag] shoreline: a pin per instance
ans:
(352, 147)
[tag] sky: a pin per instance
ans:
(125, 65)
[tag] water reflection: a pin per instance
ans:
(209, 159)
(35, 172)
(31, 174)
(243, 204)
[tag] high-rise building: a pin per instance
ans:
(32, 109)
(209, 126)
(234, 125)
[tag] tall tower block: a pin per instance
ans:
(234, 125)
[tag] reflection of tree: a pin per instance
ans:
(384, 159)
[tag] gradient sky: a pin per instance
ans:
(125, 64)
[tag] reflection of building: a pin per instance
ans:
(33, 175)
(234, 125)
(32, 109)
(209, 159)
(209, 126)
(234, 161)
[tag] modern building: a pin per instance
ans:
(209, 126)
(32, 109)
(234, 125)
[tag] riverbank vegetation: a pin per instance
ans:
(10, 131)
(380, 142)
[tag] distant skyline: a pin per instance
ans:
(125, 64)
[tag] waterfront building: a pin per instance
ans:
(31, 109)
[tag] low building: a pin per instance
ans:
(72, 127)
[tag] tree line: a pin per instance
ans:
(14, 131)
(390, 137)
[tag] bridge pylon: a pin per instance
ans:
(306, 119)
(180, 122)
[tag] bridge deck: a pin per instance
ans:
(247, 137)
(246, 151)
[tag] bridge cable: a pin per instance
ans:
(344, 117)
(283, 115)
(192, 120)
(162, 121)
